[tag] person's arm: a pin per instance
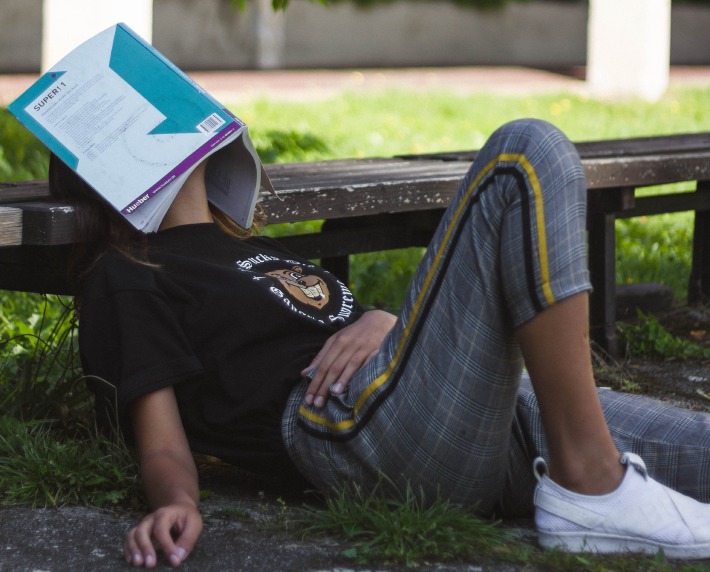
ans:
(170, 481)
(344, 353)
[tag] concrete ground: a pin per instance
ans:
(235, 537)
(241, 533)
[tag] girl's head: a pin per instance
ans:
(98, 227)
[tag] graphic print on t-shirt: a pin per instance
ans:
(306, 288)
(302, 287)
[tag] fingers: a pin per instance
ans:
(164, 540)
(172, 531)
(340, 358)
(344, 353)
(186, 540)
(138, 546)
(319, 388)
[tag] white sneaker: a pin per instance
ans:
(641, 515)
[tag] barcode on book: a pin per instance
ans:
(211, 123)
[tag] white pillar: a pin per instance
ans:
(628, 52)
(269, 34)
(67, 23)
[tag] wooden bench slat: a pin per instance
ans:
(42, 269)
(647, 171)
(627, 147)
(343, 242)
(664, 204)
(21, 191)
(661, 144)
(10, 226)
(46, 223)
(330, 190)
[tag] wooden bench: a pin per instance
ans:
(380, 204)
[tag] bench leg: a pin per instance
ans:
(602, 268)
(699, 283)
(338, 266)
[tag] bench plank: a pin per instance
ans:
(338, 189)
(14, 192)
(41, 269)
(10, 226)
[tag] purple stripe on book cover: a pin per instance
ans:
(183, 166)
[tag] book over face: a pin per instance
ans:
(134, 126)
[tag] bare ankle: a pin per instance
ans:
(601, 476)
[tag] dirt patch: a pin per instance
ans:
(682, 382)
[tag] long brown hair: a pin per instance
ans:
(99, 228)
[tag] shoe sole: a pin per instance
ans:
(612, 544)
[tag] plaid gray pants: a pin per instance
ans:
(441, 407)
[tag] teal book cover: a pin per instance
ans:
(134, 126)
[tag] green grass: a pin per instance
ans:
(395, 122)
(414, 531)
(647, 337)
(410, 531)
(656, 249)
(40, 467)
(22, 156)
(39, 370)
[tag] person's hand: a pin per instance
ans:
(344, 353)
(174, 529)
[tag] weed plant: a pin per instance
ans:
(410, 531)
(47, 457)
(647, 337)
(39, 467)
(40, 376)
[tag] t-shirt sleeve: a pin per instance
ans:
(130, 337)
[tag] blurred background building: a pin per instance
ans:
(613, 40)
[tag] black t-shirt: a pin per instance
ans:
(229, 323)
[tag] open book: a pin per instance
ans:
(134, 126)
